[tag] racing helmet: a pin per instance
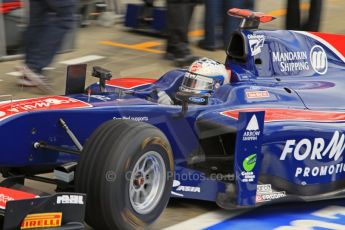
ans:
(204, 76)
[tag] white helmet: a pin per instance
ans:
(205, 75)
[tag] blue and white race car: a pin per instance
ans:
(274, 133)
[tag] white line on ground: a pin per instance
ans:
(205, 220)
(49, 68)
(82, 60)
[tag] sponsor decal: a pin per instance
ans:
(300, 61)
(291, 61)
(249, 163)
(252, 131)
(248, 166)
(7, 194)
(279, 114)
(130, 83)
(131, 118)
(197, 99)
(265, 193)
(257, 94)
(42, 220)
(247, 153)
(180, 188)
(69, 199)
(247, 177)
(318, 59)
(9, 109)
(263, 188)
(256, 42)
(270, 196)
(316, 149)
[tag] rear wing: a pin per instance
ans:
(251, 20)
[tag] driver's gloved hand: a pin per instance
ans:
(163, 98)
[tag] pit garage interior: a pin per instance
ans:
(128, 53)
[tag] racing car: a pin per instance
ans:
(274, 133)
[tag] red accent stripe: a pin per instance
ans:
(7, 194)
(336, 40)
(130, 83)
(275, 114)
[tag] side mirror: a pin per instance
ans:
(75, 80)
(191, 98)
(103, 75)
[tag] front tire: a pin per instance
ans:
(126, 170)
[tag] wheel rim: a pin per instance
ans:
(147, 182)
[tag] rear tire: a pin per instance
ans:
(126, 170)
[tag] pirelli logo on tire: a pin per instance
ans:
(42, 220)
(318, 59)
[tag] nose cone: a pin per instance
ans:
(15, 107)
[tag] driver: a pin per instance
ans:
(204, 76)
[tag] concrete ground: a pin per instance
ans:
(130, 54)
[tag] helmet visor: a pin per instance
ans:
(197, 82)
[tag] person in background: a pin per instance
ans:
(249, 4)
(218, 25)
(50, 20)
(179, 14)
(293, 17)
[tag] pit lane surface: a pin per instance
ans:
(193, 214)
(128, 54)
